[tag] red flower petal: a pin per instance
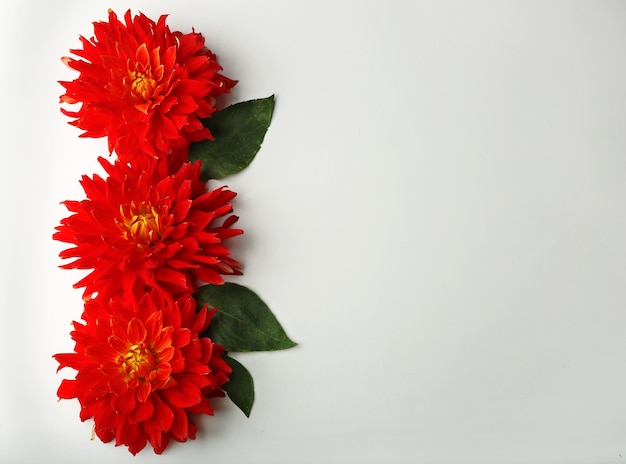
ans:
(185, 394)
(143, 391)
(180, 426)
(143, 412)
(68, 389)
(124, 404)
(136, 331)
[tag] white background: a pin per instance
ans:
(436, 216)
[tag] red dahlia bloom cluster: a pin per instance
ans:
(143, 368)
(149, 232)
(144, 87)
(142, 229)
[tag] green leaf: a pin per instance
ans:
(239, 131)
(240, 386)
(243, 322)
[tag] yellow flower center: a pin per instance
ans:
(139, 362)
(142, 86)
(140, 223)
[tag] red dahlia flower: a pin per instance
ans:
(144, 87)
(142, 229)
(142, 369)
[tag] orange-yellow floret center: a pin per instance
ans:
(140, 223)
(142, 86)
(139, 362)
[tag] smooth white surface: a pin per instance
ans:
(436, 216)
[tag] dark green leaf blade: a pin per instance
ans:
(240, 386)
(239, 130)
(243, 322)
